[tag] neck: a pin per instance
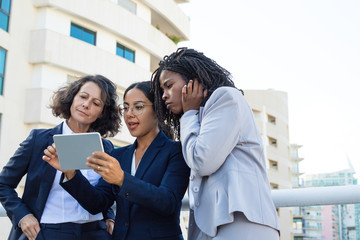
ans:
(77, 127)
(144, 142)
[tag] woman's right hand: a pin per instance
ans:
(192, 95)
(51, 158)
(30, 226)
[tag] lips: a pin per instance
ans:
(82, 112)
(132, 125)
(167, 104)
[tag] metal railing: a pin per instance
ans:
(311, 196)
(299, 197)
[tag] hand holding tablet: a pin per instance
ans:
(73, 149)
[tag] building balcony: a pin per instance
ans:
(65, 52)
(116, 20)
(169, 18)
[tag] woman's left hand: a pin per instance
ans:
(108, 167)
(109, 226)
(192, 95)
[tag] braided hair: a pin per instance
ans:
(190, 64)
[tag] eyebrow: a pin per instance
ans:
(164, 83)
(135, 102)
(94, 98)
(167, 80)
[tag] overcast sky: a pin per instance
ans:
(307, 48)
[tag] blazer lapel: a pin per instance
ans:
(125, 163)
(48, 174)
(150, 154)
(128, 154)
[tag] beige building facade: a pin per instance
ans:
(270, 109)
(46, 43)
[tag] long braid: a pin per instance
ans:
(190, 64)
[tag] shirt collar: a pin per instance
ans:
(66, 128)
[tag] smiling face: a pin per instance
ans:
(87, 106)
(172, 84)
(139, 115)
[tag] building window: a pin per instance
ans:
(272, 141)
(273, 165)
(257, 114)
(4, 14)
(83, 34)
(271, 119)
(125, 52)
(2, 68)
(274, 186)
(128, 4)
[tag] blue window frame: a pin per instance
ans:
(4, 14)
(125, 52)
(2, 68)
(83, 34)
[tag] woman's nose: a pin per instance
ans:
(86, 104)
(129, 112)
(164, 96)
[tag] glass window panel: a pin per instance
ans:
(120, 50)
(82, 34)
(128, 4)
(75, 32)
(2, 61)
(1, 85)
(4, 21)
(5, 5)
(129, 55)
(89, 37)
(125, 52)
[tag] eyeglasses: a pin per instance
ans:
(136, 109)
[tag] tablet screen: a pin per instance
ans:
(73, 149)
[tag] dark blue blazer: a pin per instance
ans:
(39, 179)
(148, 204)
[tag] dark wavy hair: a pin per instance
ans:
(145, 87)
(110, 122)
(190, 64)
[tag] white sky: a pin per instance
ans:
(307, 48)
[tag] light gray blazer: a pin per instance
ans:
(222, 145)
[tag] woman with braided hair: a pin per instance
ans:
(229, 192)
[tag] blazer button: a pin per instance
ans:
(197, 204)
(127, 195)
(196, 189)
(191, 177)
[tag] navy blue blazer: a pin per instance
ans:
(148, 204)
(39, 179)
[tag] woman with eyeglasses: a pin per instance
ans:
(147, 179)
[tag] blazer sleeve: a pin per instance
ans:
(94, 199)
(10, 177)
(165, 198)
(207, 144)
(108, 148)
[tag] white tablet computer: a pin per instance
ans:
(73, 149)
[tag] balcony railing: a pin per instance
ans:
(314, 196)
